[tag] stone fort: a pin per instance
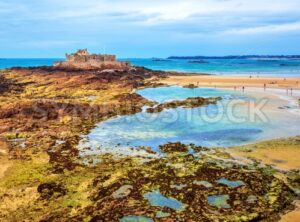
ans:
(82, 59)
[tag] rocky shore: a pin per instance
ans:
(44, 111)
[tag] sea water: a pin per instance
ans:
(256, 67)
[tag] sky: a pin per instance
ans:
(149, 28)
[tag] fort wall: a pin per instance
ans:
(82, 59)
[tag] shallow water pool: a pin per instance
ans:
(227, 123)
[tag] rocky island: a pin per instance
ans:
(82, 59)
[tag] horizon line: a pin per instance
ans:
(178, 56)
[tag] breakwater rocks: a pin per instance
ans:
(187, 103)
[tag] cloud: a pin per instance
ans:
(155, 23)
(151, 11)
(279, 28)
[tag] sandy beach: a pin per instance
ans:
(233, 81)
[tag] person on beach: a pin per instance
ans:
(243, 88)
(265, 85)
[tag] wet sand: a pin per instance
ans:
(280, 154)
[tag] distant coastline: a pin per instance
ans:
(239, 57)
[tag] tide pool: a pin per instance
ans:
(157, 199)
(219, 201)
(224, 124)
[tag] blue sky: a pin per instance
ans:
(149, 28)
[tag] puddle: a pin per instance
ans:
(219, 201)
(161, 214)
(91, 97)
(229, 183)
(136, 219)
(122, 192)
(178, 187)
(157, 199)
(203, 183)
(251, 199)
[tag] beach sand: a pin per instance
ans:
(233, 81)
(282, 154)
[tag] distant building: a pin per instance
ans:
(82, 59)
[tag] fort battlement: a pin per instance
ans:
(82, 59)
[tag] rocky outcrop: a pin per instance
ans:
(188, 103)
(190, 86)
(7, 85)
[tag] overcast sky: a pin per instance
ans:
(149, 28)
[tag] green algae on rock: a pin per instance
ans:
(162, 176)
(113, 189)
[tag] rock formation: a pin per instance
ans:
(83, 60)
(187, 103)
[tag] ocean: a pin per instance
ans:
(281, 67)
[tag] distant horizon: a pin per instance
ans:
(181, 56)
